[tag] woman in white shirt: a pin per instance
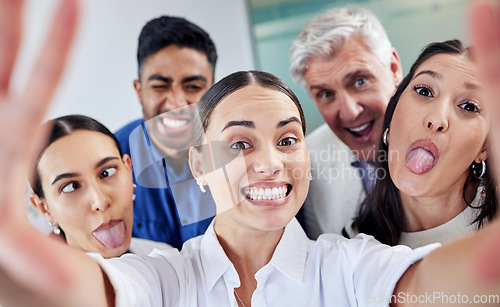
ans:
(254, 158)
(257, 128)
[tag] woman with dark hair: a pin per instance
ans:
(434, 184)
(82, 186)
(255, 252)
(256, 163)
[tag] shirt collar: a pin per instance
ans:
(213, 258)
(292, 264)
(215, 261)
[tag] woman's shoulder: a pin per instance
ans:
(143, 247)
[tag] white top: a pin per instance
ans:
(332, 271)
(143, 247)
(455, 228)
(336, 188)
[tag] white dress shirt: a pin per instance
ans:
(331, 271)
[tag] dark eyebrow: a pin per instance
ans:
(71, 175)
(244, 123)
(160, 78)
(468, 85)
(287, 121)
(104, 161)
(430, 73)
(194, 78)
(63, 176)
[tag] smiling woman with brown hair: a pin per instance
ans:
(254, 252)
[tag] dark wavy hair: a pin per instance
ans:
(63, 126)
(381, 213)
(164, 31)
(231, 84)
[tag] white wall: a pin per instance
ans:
(98, 80)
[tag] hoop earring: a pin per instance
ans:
(202, 188)
(478, 169)
(384, 136)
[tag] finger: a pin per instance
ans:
(484, 31)
(35, 262)
(486, 264)
(50, 64)
(10, 37)
(485, 35)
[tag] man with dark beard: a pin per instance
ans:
(176, 61)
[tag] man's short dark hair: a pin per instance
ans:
(164, 31)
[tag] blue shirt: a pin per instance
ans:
(168, 207)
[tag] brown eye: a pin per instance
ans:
(70, 187)
(423, 90)
(110, 171)
(469, 106)
(287, 141)
(240, 145)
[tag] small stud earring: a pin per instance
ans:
(202, 188)
(135, 189)
(57, 230)
(310, 177)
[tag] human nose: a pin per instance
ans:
(99, 199)
(437, 119)
(350, 109)
(178, 98)
(268, 162)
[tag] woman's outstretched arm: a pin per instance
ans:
(35, 270)
(468, 270)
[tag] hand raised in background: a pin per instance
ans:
(24, 258)
(484, 30)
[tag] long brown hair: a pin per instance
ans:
(381, 213)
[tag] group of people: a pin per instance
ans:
(421, 144)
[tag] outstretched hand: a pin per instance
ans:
(484, 29)
(24, 257)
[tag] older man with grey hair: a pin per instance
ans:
(346, 63)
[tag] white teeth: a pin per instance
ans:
(267, 193)
(174, 123)
(360, 128)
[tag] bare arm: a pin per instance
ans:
(448, 274)
(470, 266)
(32, 266)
